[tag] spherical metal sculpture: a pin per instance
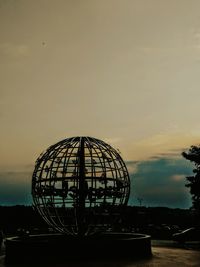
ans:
(79, 184)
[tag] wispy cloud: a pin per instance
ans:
(178, 177)
(14, 50)
(112, 140)
(166, 145)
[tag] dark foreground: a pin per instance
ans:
(164, 254)
(63, 248)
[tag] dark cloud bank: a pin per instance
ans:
(159, 182)
(15, 188)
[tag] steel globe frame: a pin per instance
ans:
(79, 184)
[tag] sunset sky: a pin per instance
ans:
(124, 71)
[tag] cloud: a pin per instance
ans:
(113, 140)
(15, 188)
(161, 182)
(14, 50)
(132, 166)
(160, 146)
(178, 177)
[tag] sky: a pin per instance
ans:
(126, 72)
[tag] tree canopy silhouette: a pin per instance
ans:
(193, 155)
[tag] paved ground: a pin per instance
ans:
(171, 257)
(164, 255)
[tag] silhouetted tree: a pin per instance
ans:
(194, 181)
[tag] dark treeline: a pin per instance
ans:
(17, 217)
(159, 222)
(139, 216)
(141, 219)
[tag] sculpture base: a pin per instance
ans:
(59, 248)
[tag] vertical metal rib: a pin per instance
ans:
(81, 198)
